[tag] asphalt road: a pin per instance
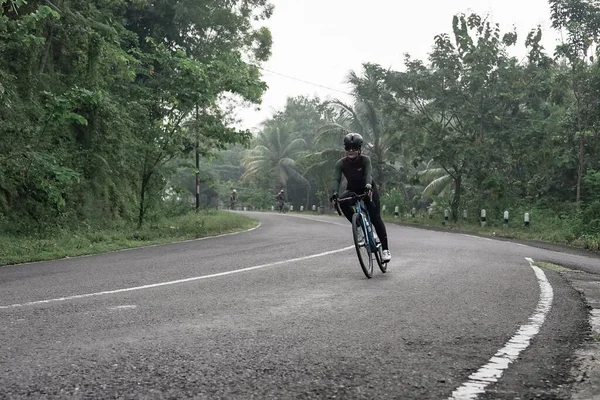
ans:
(284, 311)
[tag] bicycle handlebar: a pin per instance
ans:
(354, 196)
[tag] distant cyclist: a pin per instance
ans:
(357, 169)
(233, 199)
(281, 200)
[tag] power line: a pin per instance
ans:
(303, 81)
(506, 117)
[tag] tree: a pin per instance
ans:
(367, 116)
(274, 155)
(581, 19)
(458, 99)
(104, 94)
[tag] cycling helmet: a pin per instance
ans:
(353, 140)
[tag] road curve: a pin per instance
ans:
(284, 311)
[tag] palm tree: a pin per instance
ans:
(438, 184)
(365, 119)
(374, 114)
(275, 154)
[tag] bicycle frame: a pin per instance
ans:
(364, 215)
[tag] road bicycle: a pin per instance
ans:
(282, 207)
(365, 240)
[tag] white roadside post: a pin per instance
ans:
(445, 216)
(301, 208)
(483, 218)
(505, 219)
(396, 210)
(465, 214)
(526, 220)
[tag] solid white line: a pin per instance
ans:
(477, 237)
(320, 220)
(154, 285)
(493, 370)
(135, 248)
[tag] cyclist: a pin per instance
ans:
(357, 169)
(233, 199)
(280, 200)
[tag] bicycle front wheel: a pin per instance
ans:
(363, 249)
(379, 257)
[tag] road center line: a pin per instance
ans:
(492, 371)
(345, 225)
(176, 282)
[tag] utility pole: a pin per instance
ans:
(197, 163)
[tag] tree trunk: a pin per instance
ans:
(581, 146)
(143, 190)
(456, 199)
(580, 167)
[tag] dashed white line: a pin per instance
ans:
(125, 307)
(494, 369)
(175, 282)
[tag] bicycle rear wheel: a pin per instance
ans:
(361, 242)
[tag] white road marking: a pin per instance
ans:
(154, 285)
(126, 307)
(595, 320)
(347, 224)
(493, 370)
(476, 237)
(138, 247)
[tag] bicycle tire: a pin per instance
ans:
(366, 261)
(379, 257)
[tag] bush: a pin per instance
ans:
(393, 198)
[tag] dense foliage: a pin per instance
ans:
(471, 127)
(98, 99)
(102, 104)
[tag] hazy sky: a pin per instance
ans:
(320, 41)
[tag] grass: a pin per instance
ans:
(551, 266)
(15, 250)
(551, 230)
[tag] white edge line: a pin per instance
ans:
(493, 370)
(477, 237)
(154, 285)
(132, 248)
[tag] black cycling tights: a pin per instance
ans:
(374, 208)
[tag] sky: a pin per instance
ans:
(316, 43)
